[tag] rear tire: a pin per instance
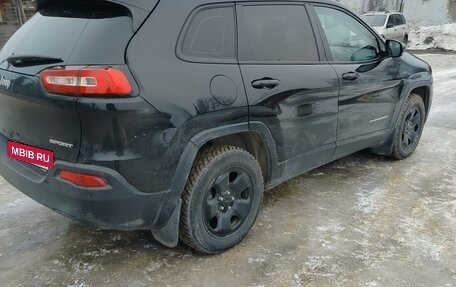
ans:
(408, 130)
(405, 40)
(221, 200)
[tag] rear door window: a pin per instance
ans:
(391, 21)
(210, 36)
(398, 20)
(276, 33)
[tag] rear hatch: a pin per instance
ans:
(73, 34)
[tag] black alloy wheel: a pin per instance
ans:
(411, 130)
(221, 200)
(409, 127)
(228, 202)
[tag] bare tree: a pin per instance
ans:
(452, 9)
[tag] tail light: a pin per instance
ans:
(89, 81)
(83, 180)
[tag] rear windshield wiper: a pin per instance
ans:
(32, 60)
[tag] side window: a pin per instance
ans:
(210, 35)
(391, 21)
(348, 39)
(403, 20)
(399, 20)
(276, 33)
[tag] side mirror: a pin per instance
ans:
(389, 26)
(394, 48)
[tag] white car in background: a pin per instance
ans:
(390, 25)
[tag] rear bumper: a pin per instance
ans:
(119, 207)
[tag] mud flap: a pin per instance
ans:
(168, 235)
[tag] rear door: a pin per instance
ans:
(289, 85)
(401, 27)
(390, 26)
(59, 35)
(370, 84)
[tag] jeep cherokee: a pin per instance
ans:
(174, 116)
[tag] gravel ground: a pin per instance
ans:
(361, 221)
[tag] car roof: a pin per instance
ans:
(144, 3)
(382, 13)
(333, 2)
(316, 1)
(149, 5)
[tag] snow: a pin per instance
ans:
(433, 37)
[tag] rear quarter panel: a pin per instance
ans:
(179, 89)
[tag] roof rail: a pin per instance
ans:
(385, 11)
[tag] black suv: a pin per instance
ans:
(174, 116)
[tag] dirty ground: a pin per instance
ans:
(361, 221)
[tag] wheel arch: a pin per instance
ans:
(424, 90)
(250, 141)
(425, 93)
(421, 88)
(254, 137)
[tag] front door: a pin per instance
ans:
(289, 87)
(391, 28)
(370, 84)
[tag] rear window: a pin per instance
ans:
(77, 33)
(374, 20)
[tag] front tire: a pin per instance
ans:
(221, 200)
(409, 128)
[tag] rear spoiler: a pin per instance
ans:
(139, 9)
(147, 5)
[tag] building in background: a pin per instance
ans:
(13, 14)
(418, 12)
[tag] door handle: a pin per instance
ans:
(265, 83)
(350, 76)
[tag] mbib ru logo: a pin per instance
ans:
(30, 154)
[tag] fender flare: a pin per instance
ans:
(387, 147)
(168, 216)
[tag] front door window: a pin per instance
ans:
(348, 40)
